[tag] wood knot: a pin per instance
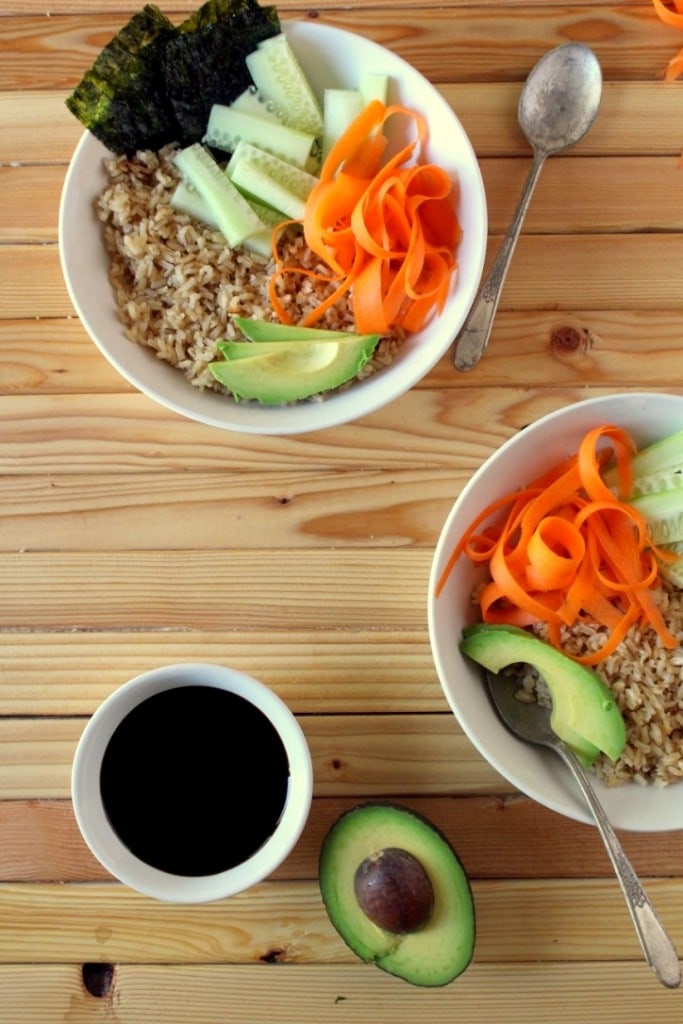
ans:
(273, 956)
(566, 338)
(98, 979)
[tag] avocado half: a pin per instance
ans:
(438, 951)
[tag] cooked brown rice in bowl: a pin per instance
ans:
(178, 285)
(647, 683)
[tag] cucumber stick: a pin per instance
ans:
(251, 102)
(186, 200)
(663, 513)
(657, 467)
(226, 126)
(234, 217)
(255, 183)
(279, 77)
(373, 85)
(340, 108)
(293, 178)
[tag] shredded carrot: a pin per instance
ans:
(384, 227)
(568, 550)
(674, 68)
(673, 17)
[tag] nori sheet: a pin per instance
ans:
(122, 98)
(204, 62)
(155, 83)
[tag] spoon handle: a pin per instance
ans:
(658, 948)
(475, 332)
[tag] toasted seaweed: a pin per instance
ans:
(122, 98)
(154, 83)
(204, 62)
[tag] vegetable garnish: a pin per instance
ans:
(568, 550)
(154, 82)
(386, 228)
(673, 17)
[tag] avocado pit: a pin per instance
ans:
(394, 891)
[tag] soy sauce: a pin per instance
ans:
(194, 780)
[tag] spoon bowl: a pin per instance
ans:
(558, 104)
(561, 98)
(531, 722)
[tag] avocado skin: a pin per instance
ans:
(443, 948)
(584, 712)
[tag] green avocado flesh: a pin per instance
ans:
(584, 713)
(443, 947)
(284, 371)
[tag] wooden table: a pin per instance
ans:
(131, 538)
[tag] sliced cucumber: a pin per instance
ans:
(374, 85)
(227, 126)
(293, 178)
(235, 218)
(340, 108)
(657, 461)
(279, 77)
(256, 184)
(663, 512)
(251, 102)
(186, 200)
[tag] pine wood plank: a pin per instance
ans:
(327, 994)
(305, 509)
(53, 356)
(366, 670)
(353, 755)
(492, 42)
(41, 841)
(284, 922)
(594, 194)
(128, 433)
(548, 272)
(39, 128)
(558, 348)
(60, 435)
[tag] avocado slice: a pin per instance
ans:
(265, 330)
(432, 954)
(290, 370)
(584, 713)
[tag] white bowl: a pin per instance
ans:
(538, 773)
(331, 57)
(105, 843)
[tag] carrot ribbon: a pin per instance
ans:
(568, 550)
(385, 228)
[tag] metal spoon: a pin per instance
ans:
(531, 722)
(557, 107)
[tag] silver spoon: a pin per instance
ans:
(531, 722)
(557, 107)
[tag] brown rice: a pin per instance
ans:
(177, 284)
(647, 683)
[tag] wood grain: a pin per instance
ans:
(41, 130)
(131, 538)
(326, 994)
(41, 841)
(596, 194)
(545, 274)
(485, 44)
(285, 922)
(353, 755)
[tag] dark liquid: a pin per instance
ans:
(194, 780)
